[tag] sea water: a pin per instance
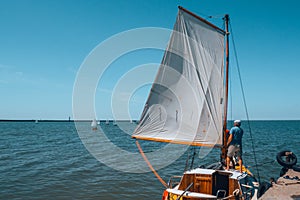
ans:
(49, 160)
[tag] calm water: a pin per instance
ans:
(48, 160)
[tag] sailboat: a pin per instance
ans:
(94, 124)
(187, 105)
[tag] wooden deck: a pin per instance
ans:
(284, 188)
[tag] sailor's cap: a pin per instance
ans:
(237, 121)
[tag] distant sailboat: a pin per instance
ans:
(36, 121)
(115, 123)
(107, 122)
(94, 124)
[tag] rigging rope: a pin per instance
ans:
(193, 158)
(244, 100)
(187, 162)
(230, 96)
(149, 164)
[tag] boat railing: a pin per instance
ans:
(248, 185)
(186, 189)
(174, 180)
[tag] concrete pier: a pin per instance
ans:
(287, 188)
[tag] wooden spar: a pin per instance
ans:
(177, 142)
(226, 18)
(203, 20)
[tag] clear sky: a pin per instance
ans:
(43, 44)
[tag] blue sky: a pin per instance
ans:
(43, 44)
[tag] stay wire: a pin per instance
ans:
(193, 158)
(230, 89)
(244, 101)
(187, 162)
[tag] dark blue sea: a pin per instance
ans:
(58, 160)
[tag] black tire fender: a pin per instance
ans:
(296, 168)
(292, 159)
(263, 187)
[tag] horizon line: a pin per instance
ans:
(112, 120)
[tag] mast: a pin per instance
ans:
(226, 18)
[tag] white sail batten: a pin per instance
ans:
(185, 104)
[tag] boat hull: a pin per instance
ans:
(205, 184)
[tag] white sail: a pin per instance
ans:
(185, 104)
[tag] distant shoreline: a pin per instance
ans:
(58, 120)
(103, 120)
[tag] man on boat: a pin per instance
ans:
(234, 144)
